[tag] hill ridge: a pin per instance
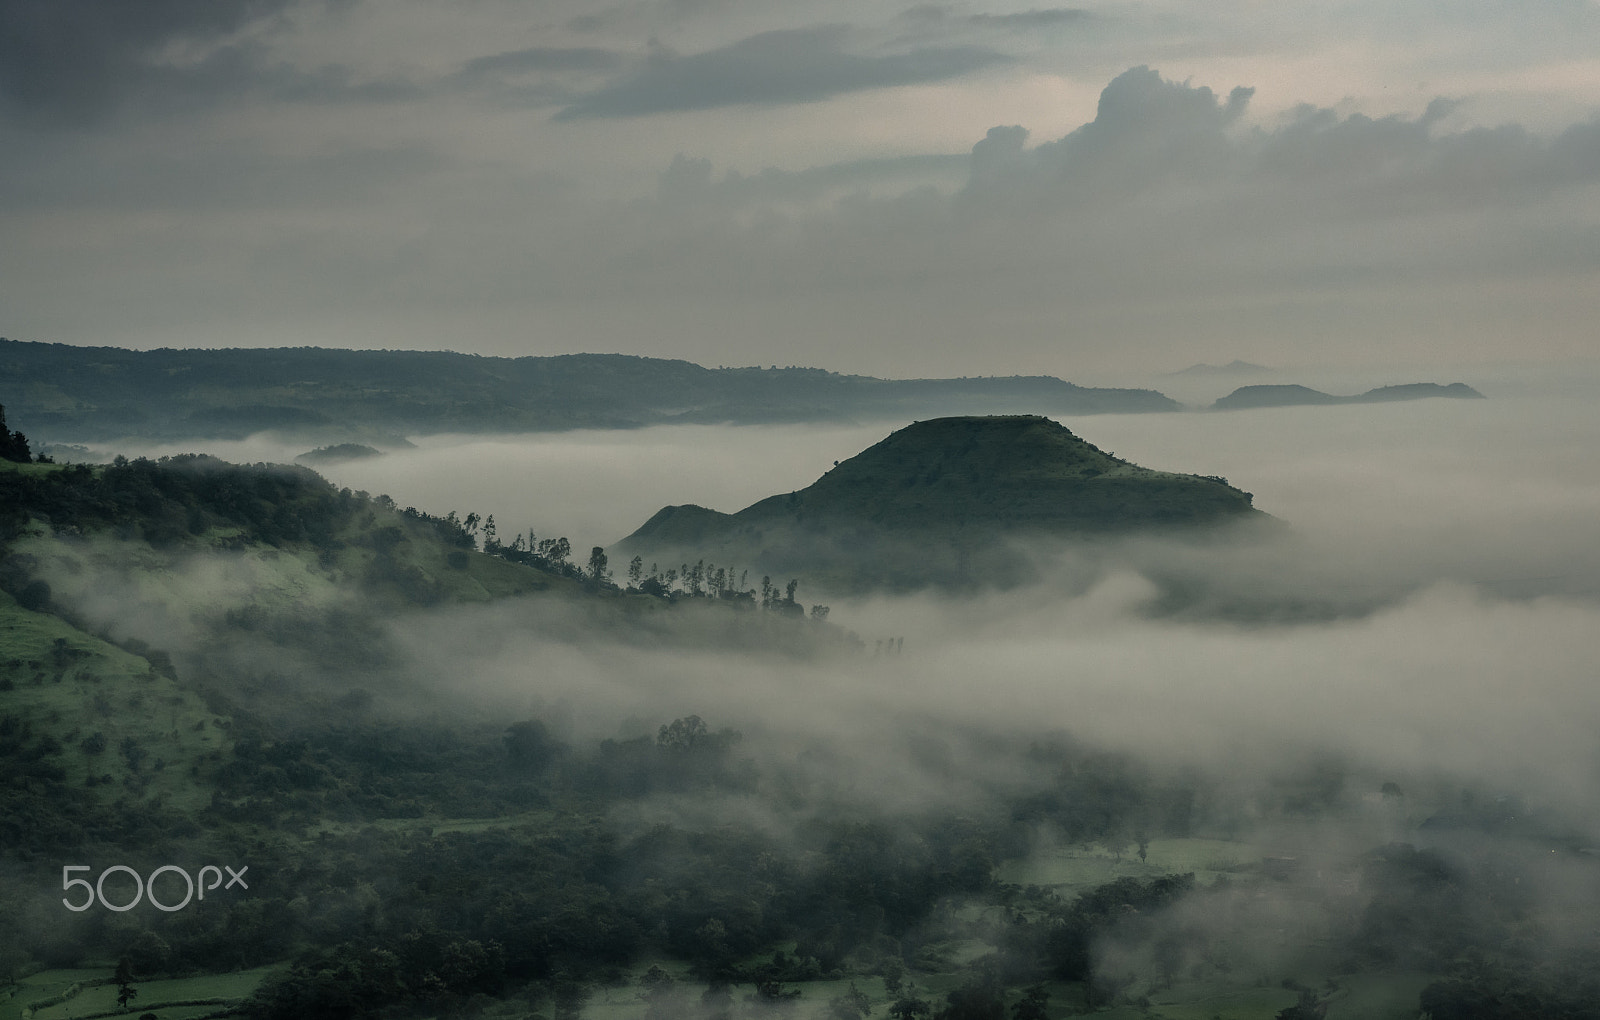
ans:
(963, 484)
(1294, 395)
(339, 395)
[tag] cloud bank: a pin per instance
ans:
(888, 191)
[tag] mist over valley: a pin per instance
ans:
(1387, 675)
(677, 510)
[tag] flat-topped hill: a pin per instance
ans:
(958, 485)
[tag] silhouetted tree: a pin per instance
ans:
(13, 445)
(852, 1005)
(1308, 1008)
(1033, 1004)
(681, 734)
(124, 981)
(528, 743)
(909, 1007)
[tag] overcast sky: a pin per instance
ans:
(895, 188)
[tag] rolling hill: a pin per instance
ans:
(938, 502)
(70, 393)
(1292, 395)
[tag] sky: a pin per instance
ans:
(1100, 192)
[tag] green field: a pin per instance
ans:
(76, 686)
(1071, 869)
(102, 998)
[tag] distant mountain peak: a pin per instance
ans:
(1293, 395)
(1234, 367)
(934, 500)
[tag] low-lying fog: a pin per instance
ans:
(1504, 491)
(1478, 521)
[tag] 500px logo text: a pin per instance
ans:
(146, 889)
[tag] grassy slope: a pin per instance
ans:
(102, 998)
(85, 686)
(59, 691)
(69, 683)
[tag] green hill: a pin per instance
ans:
(938, 501)
(70, 393)
(199, 664)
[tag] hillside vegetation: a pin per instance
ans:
(207, 664)
(375, 397)
(939, 502)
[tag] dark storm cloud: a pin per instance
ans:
(773, 68)
(73, 59)
(76, 61)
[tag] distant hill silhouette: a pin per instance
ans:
(373, 397)
(1291, 395)
(338, 454)
(1235, 367)
(936, 502)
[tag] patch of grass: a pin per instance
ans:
(1379, 996)
(103, 998)
(114, 713)
(1204, 1003)
(1077, 868)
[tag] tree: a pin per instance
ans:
(124, 981)
(598, 571)
(909, 1007)
(528, 744)
(657, 994)
(13, 445)
(1033, 1004)
(893, 972)
(555, 551)
(979, 1000)
(635, 571)
(852, 1005)
(1310, 1007)
(681, 734)
(35, 595)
